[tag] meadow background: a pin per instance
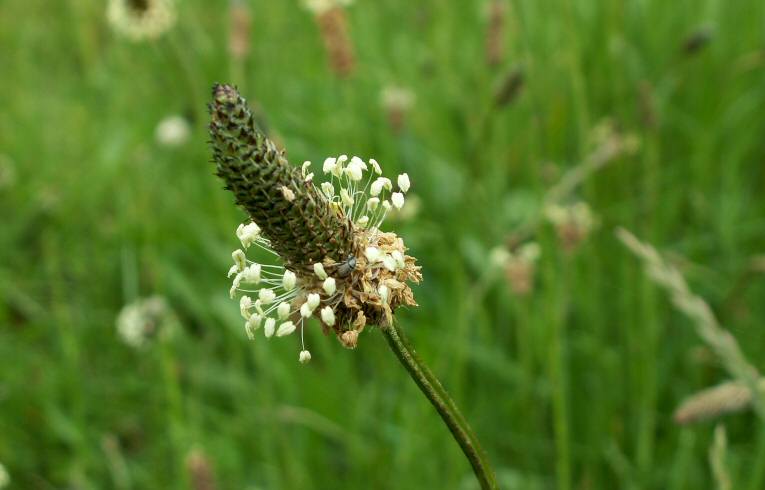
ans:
(571, 386)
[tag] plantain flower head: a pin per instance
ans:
(573, 223)
(335, 263)
(320, 6)
(143, 320)
(139, 20)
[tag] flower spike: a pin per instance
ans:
(337, 264)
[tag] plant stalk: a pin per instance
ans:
(444, 405)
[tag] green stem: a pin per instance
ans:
(444, 405)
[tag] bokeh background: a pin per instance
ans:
(530, 130)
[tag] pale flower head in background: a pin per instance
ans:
(7, 172)
(519, 266)
(239, 30)
(142, 320)
(397, 102)
(573, 223)
(5, 478)
(139, 20)
(172, 131)
(318, 7)
(333, 27)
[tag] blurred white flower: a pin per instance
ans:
(142, 320)
(396, 102)
(395, 98)
(172, 131)
(573, 223)
(7, 172)
(499, 256)
(5, 478)
(139, 20)
(518, 265)
(321, 6)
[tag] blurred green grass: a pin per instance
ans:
(570, 387)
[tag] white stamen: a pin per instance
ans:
(328, 189)
(346, 197)
(266, 296)
(304, 357)
(358, 161)
(248, 234)
(245, 303)
(288, 280)
(398, 200)
(354, 170)
(285, 328)
(403, 182)
(328, 316)
(287, 193)
(329, 286)
(305, 310)
(251, 274)
(239, 259)
(318, 269)
(389, 263)
(313, 301)
(378, 185)
(399, 258)
(255, 321)
(269, 327)
(372, 254)
(283, 311)
(329, 165)
(235, 285)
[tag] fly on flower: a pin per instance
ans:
(334, 262)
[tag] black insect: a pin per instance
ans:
(344, 269)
